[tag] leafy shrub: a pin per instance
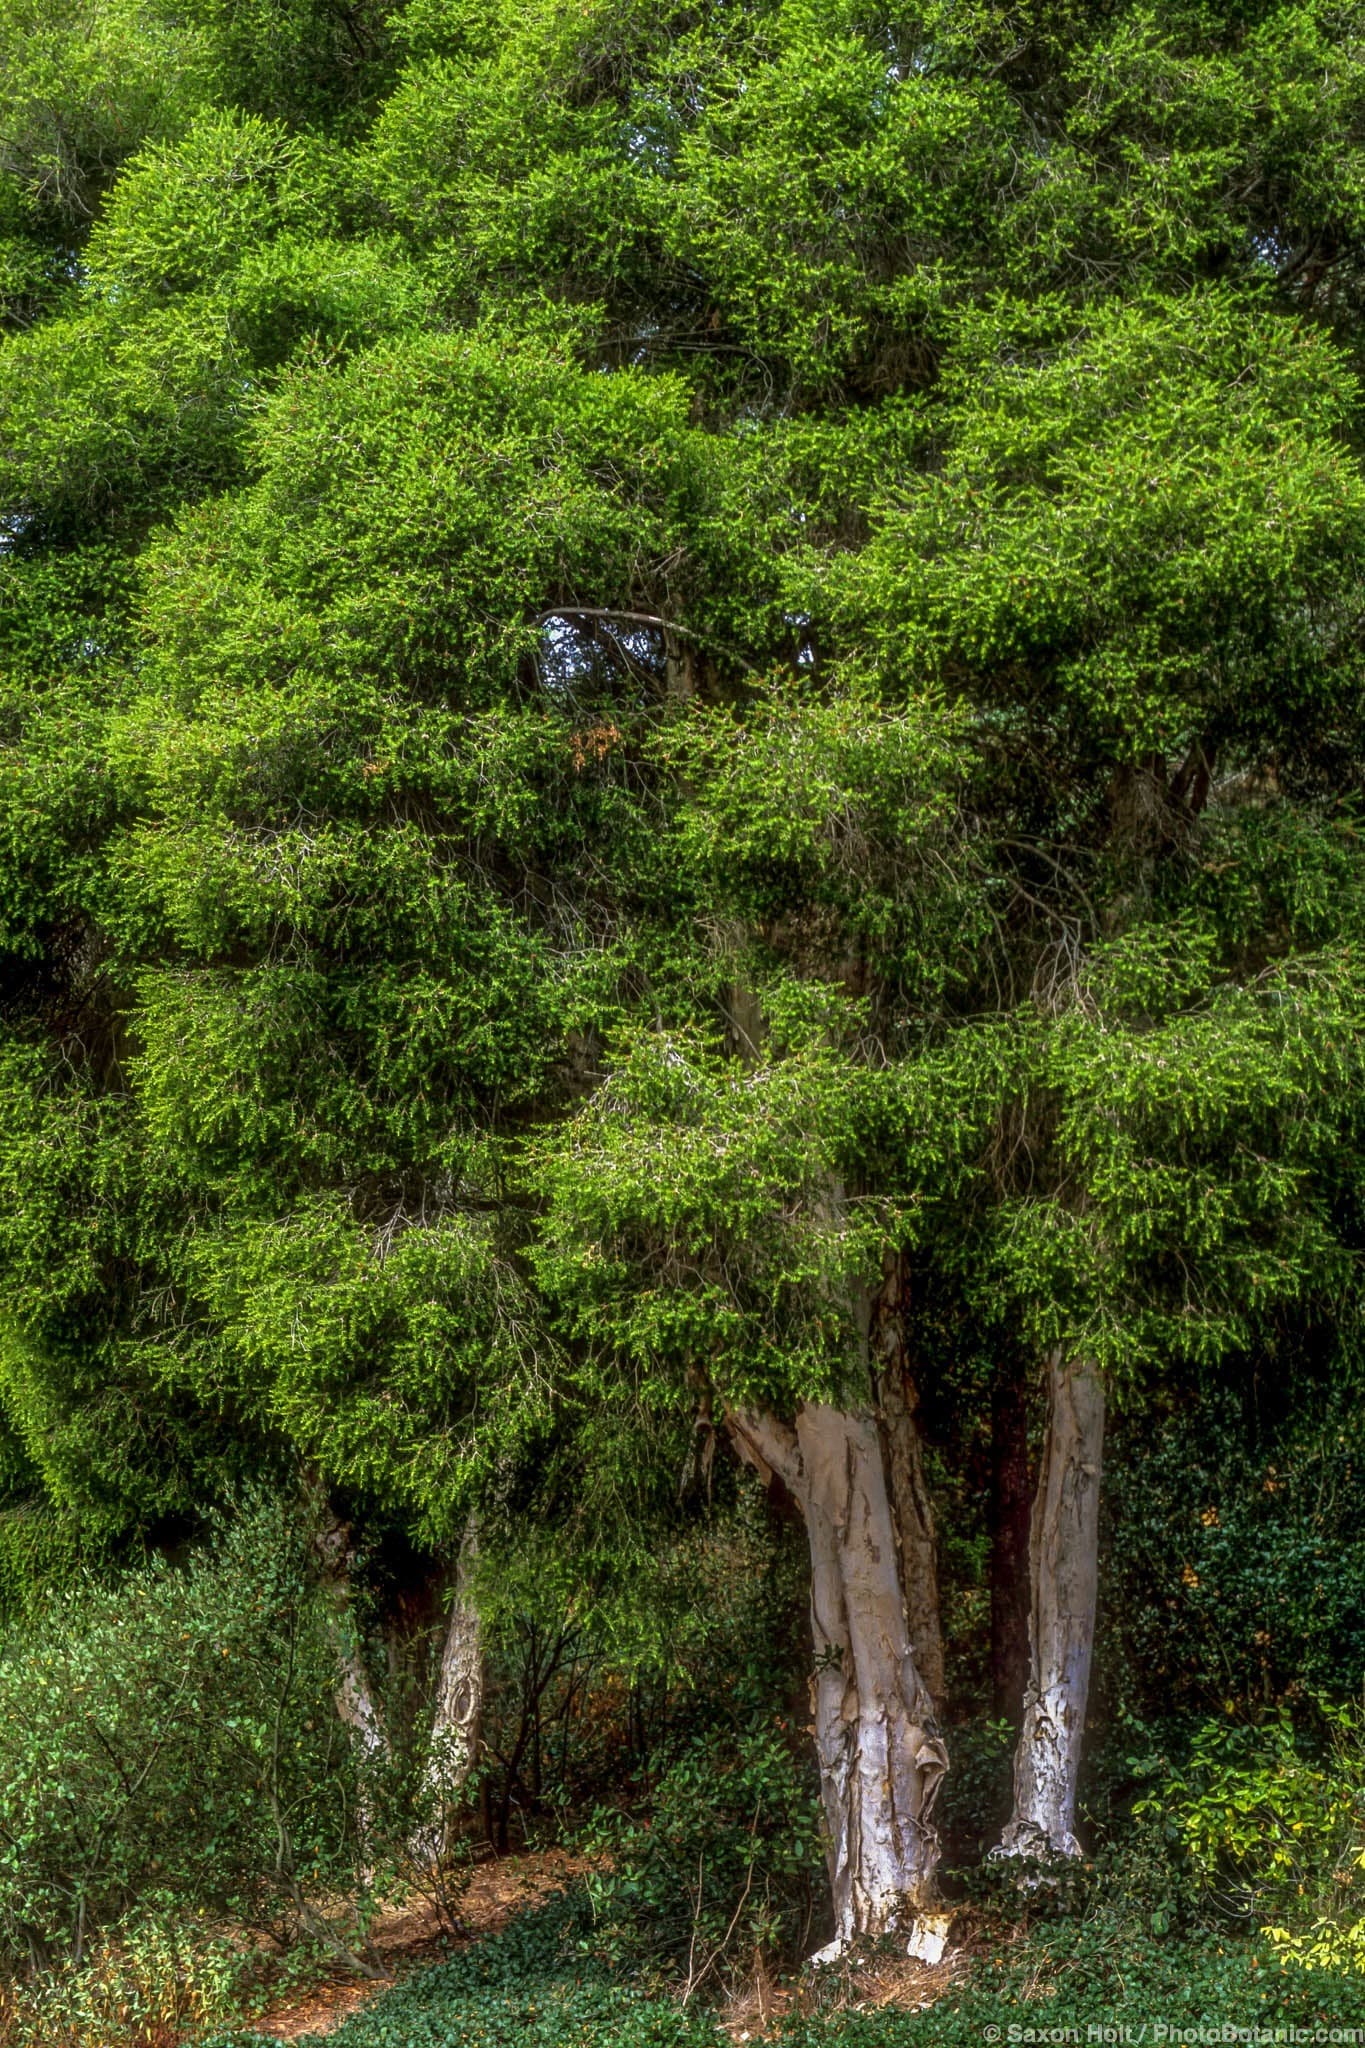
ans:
(1236, 1565)
(726, 1863)
(172, 1735)
(149, 1986)
(1277, 1835)
(600, 1673)
(974, 1803)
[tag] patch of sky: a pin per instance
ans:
(800, 623)
(578, 650)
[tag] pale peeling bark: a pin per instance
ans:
(356, 1706)
(880, 1753)
(457, 1710)
(1063, 1568)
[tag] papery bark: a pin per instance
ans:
(357, 1708)
(1063, 1572)
(880, 1752)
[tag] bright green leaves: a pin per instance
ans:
(1146, 529)
(805, 174)
(1276, 878)
(259, 1080)
(245, 212)
(1158, 125)
(306, 62)
(801, 197)
(516, 152)
(719, 643)
(180, 217)
(696, 1222)
(425, 511)
(1197, 1166)
(403, 1352)
(799, 788)
(93, 1318)
(163, 1736)
(106, 418)
(827, 830)
(86, 82)
(754, 172)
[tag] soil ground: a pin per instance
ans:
(410, 1937)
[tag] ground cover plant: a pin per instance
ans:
(681, 987)
(527, 1986)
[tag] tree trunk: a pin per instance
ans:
(356, 1706)
(1063, 1569)
(880, 1753)
(457, 1711)
(911, 1508)
(355, 1702)
(1009, 1539)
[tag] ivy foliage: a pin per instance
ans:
(528, 1983)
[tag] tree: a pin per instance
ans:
(678, 684)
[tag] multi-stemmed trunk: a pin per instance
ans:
(880, 1752)
(1063, 1572)
(457, 1702)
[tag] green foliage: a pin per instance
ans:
(1093, 535)
(724, 1866)
(647, 615)
(1234, 1569)
(1277, 1834)
(171, 1738)
(1092, 1972)
(86, 82)
(528, 1984)
(154, 1979)
(647, 653)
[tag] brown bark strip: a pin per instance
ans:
(911, 1506)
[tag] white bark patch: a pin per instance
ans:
(1063, 1566)
(928, 1941)
(356, 1706)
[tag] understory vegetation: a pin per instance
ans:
(682, 981)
